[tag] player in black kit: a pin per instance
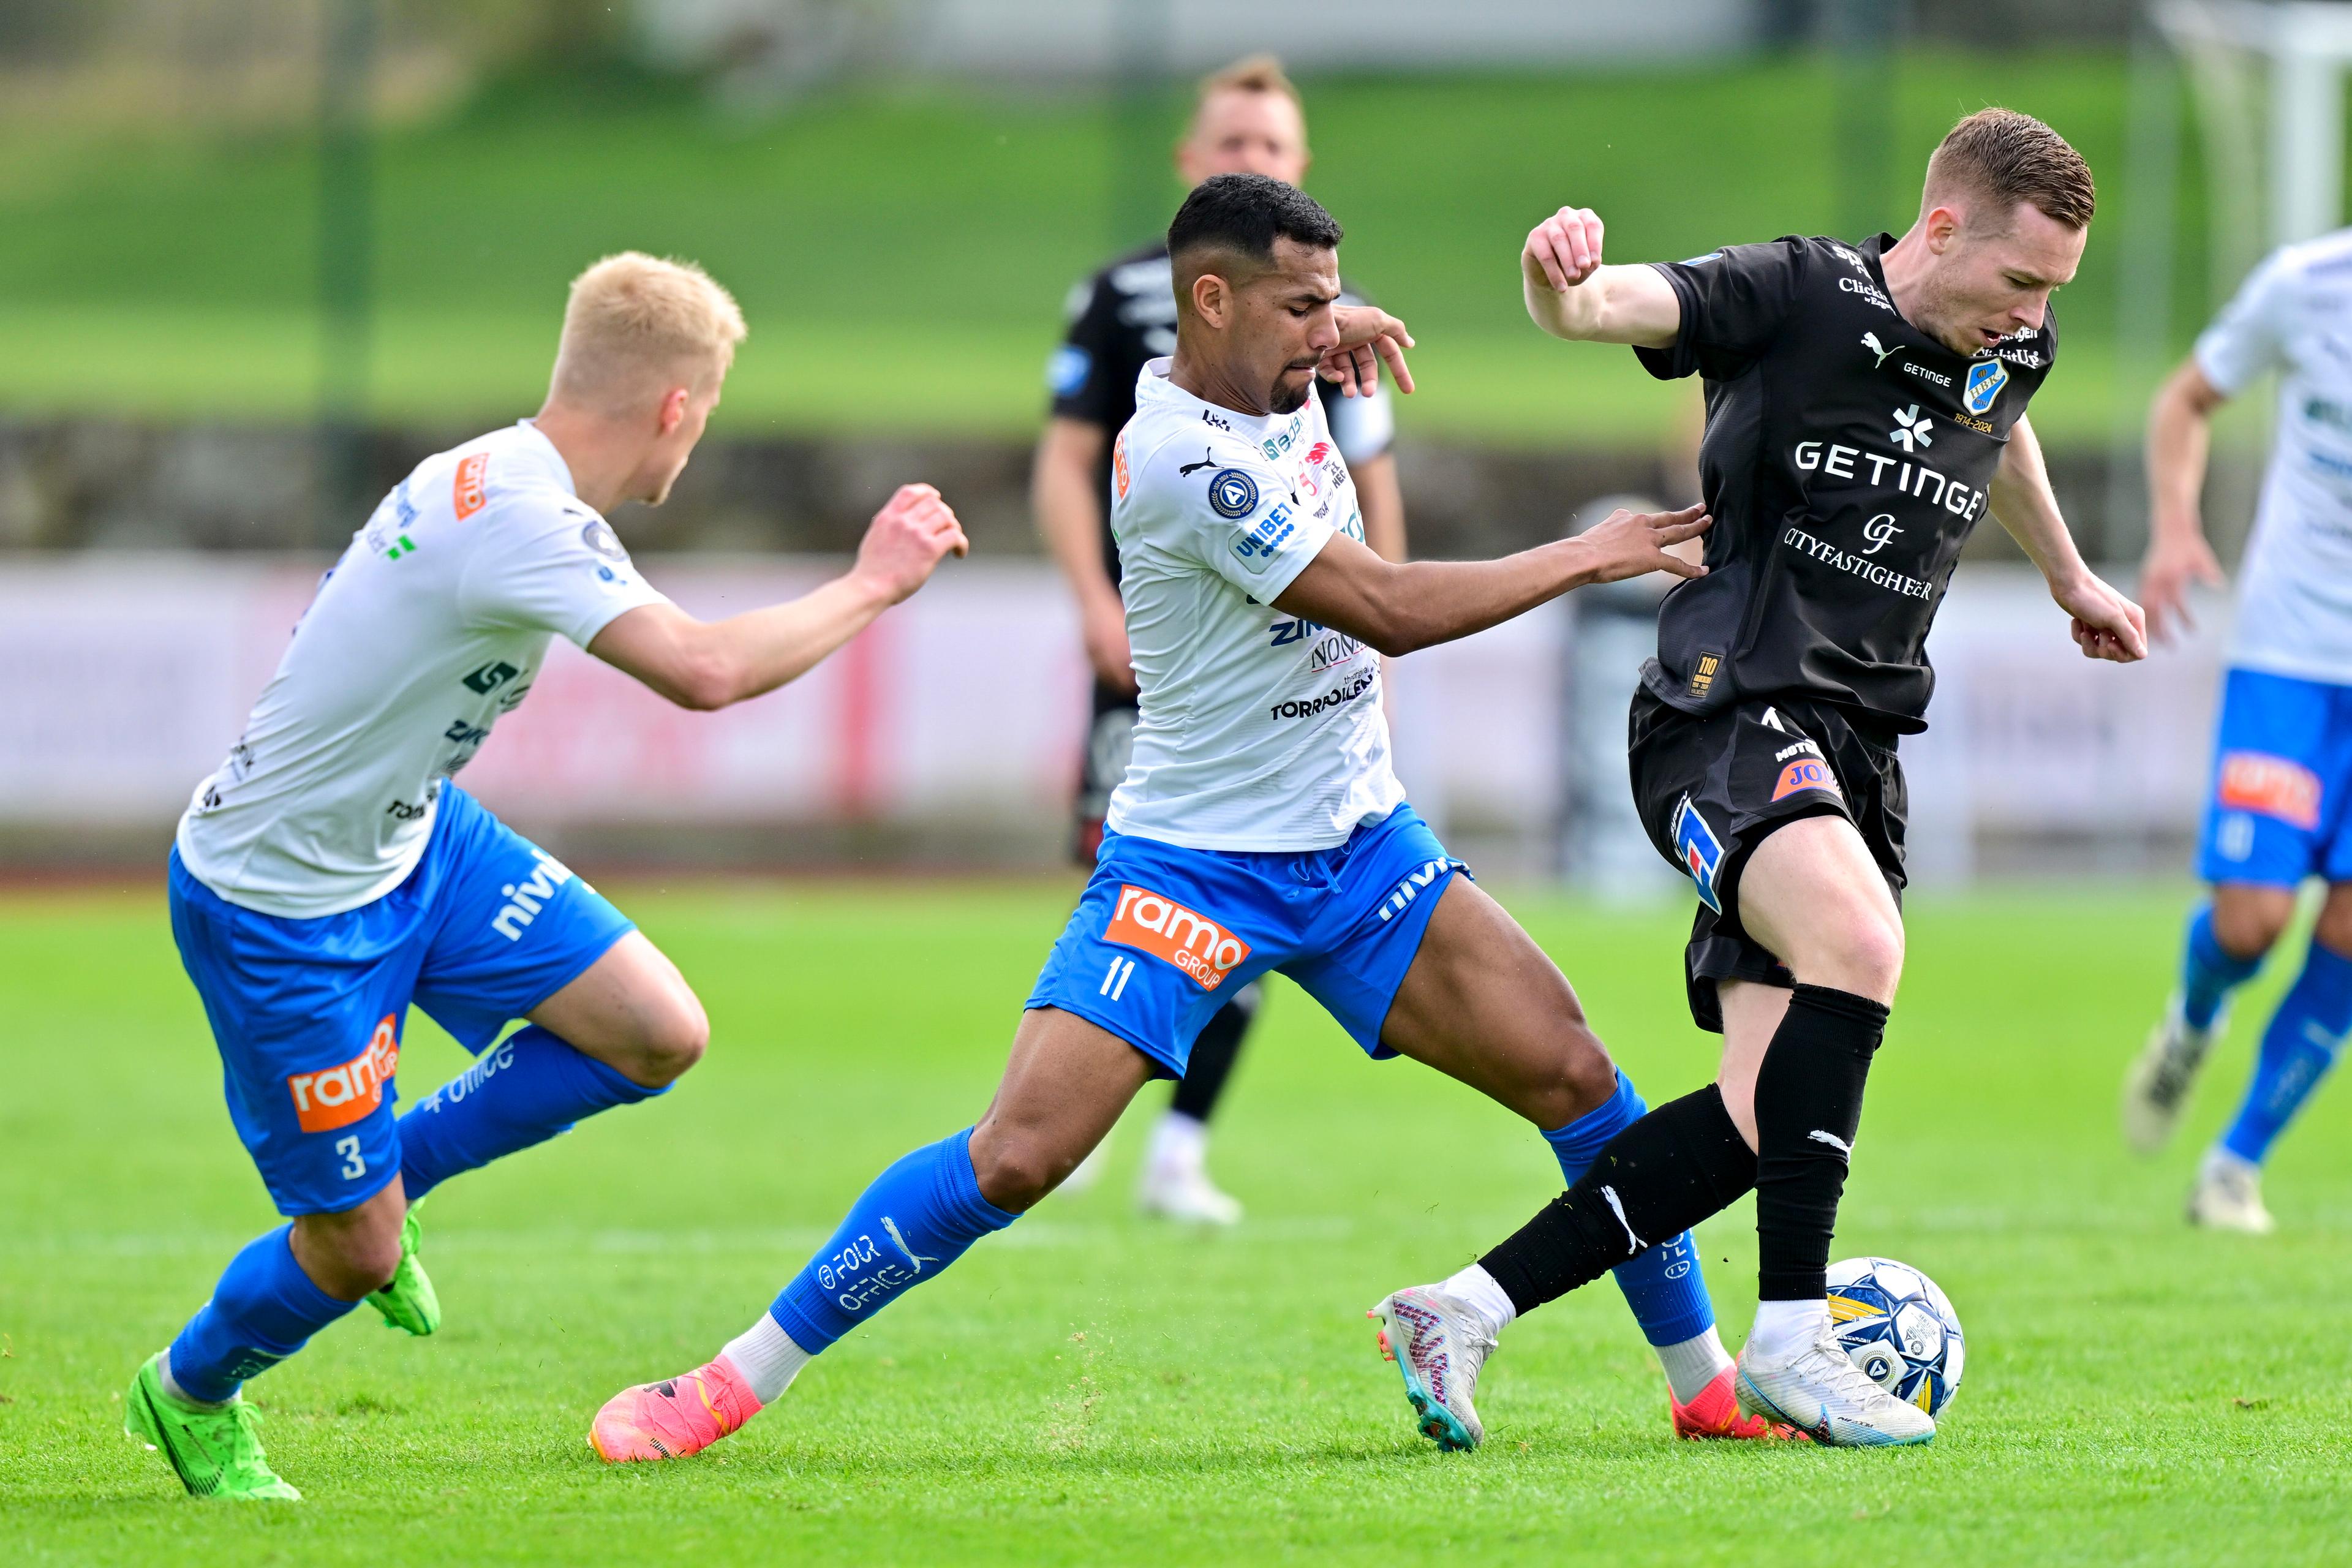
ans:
(1865, 409)
(1247, 121)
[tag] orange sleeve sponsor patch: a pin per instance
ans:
(341, 1095)
(1118, 464)
(1806, 773)
(1167, 929)
(469, 491)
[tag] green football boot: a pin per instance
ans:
(215, 1452)
(408, 1303)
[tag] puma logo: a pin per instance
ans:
(1208, 459)
(1870, 340)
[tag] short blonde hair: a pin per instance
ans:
(636, 325)
(2007, 158)
(1256, 73)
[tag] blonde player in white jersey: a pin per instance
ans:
(2279, 810)
(1259, 826)
(329, 873)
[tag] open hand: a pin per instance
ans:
(1564, 249)
(1368, 335)
(1632, 543)
(2106, 625)
(2172, 563)
(907, 537)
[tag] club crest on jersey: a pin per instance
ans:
(1986, 378)
(1233, 493)
(1700, 850)
(1166, 930)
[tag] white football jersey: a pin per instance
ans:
(431, 625)
(2293, 315)
(1257, 731)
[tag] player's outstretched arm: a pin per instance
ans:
(2105, 624)
(2180, 436)
(710, 664)
(1571, 295)
(1399, 607)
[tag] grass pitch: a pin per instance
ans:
(1087, 1387)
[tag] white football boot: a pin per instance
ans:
(2156, 1085)
(2229, 1196)
(1439, 1342)
(1175, 1183)
(1824, 1395)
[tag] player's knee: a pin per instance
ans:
(2248, 923)
(348, 1260)
(1016, 1172)
(672, 1036)
(1873, 957)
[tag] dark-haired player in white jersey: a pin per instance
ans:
(1260, 827)
(1865, 409)
(1247, 118)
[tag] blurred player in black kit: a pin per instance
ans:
(1247, 121)
(1865, 408)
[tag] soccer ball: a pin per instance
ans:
(1898, 1328)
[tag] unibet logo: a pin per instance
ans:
(340, 1096)
(1167, 929)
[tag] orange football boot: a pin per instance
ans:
(673, 1417)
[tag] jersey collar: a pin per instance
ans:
(1153, 385)
(534, 445)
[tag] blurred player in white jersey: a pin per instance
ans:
(1247, 119)
(330, 873)
(2282, 774)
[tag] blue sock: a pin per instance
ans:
(2298, 1048)
(1663, 1286)
(263, 1310)
(918, 1218)
(523, 1090)
(2208, 971)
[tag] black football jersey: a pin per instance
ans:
(1124, 317)
(1846, 460)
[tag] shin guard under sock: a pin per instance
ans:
(918, 1216)
(1664, 1173)
(1808, 1107)
(1665, 1285)
(263, 1310)
(523, 1090)
(2209, 972)
(2304, 1036)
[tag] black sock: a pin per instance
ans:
(1807, 1106)
(1214, 1055)
(1661, 1175)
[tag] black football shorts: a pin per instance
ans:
(1711, 789)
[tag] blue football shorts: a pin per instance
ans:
(309, 1014)
(1163, 936)
(2274, 810)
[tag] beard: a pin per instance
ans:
(1282, 400)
